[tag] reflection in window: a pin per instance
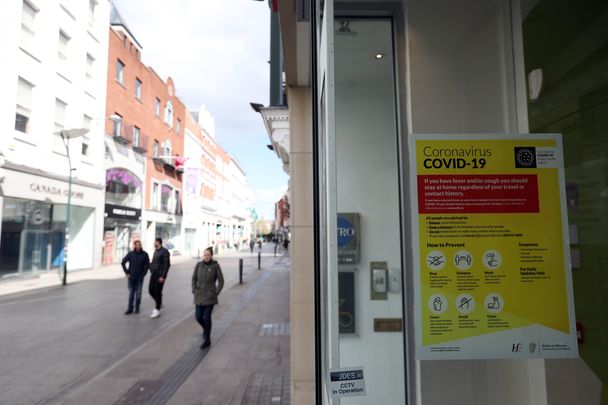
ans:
(123, 188)
(166, 193)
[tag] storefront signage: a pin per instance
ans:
(491, 253)
(347, 382)
(348, 238)
(49, 190)
(116, 211)
(29, 186)
(346, 301)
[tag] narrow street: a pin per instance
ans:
(55, 344)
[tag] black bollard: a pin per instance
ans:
(259, 260)
(240, 271)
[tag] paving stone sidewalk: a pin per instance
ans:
(247, 364)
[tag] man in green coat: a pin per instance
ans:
(207, 283)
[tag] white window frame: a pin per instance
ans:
(28, 25)
(157, 103)
(60, 121)
(117, 124)
(169, 113)
(119, 74)
(138, 85)
(63, 52)
(21, 109)
(136, 136)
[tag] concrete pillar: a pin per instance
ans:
(302, 262)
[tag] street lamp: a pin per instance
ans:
(66, 135)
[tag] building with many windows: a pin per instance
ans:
(52, 120)
(144, 150)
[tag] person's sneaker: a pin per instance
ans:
(129, 312)
(206, 344)
(137, 310)
(155, 313)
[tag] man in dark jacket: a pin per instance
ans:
(139, 262)
(158, 274)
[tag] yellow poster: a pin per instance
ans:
(491, 252)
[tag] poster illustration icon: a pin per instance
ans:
(492, 259)
(435, 260)
(465, 304)
(438, 304)
(494, 303)
(463, 260)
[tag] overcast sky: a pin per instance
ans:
(217, 53)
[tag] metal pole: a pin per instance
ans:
(240, 271)
(66, 142)
(275, 250)
(259, 260)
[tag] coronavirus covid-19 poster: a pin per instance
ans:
(491, 252)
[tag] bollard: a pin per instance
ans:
(240, 271)
(259, 260)
(275, 250)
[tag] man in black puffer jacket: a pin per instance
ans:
(158, 274)
(139, 262)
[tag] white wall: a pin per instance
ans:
(39, 64)
(461, 81)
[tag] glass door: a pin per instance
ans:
(359, 224)
(326, 159)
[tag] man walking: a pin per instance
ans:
(158, 274)
(139, 262)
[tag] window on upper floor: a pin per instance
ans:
(157, 107)
(117, 124)
(156, 149)
(63, 47)
(92, 8)
(178, 126)
(154, 196)
(86, 138)
(90, 70)
(166, 195)
(136, 137)
(167, 150)
(120, 71)
(137, 89)
(178, 203)
(23, 112)
(28, 24)
(60, 113)
(169, 113)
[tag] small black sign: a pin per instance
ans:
(525, 157)
(117, 211)
(346, 302)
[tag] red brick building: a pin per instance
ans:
(145, 130)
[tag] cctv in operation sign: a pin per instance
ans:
(491, 252)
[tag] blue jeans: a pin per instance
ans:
(203, 317)
(135, 286)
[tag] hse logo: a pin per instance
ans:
(525, 157)
(346, 231)
(517, 347)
